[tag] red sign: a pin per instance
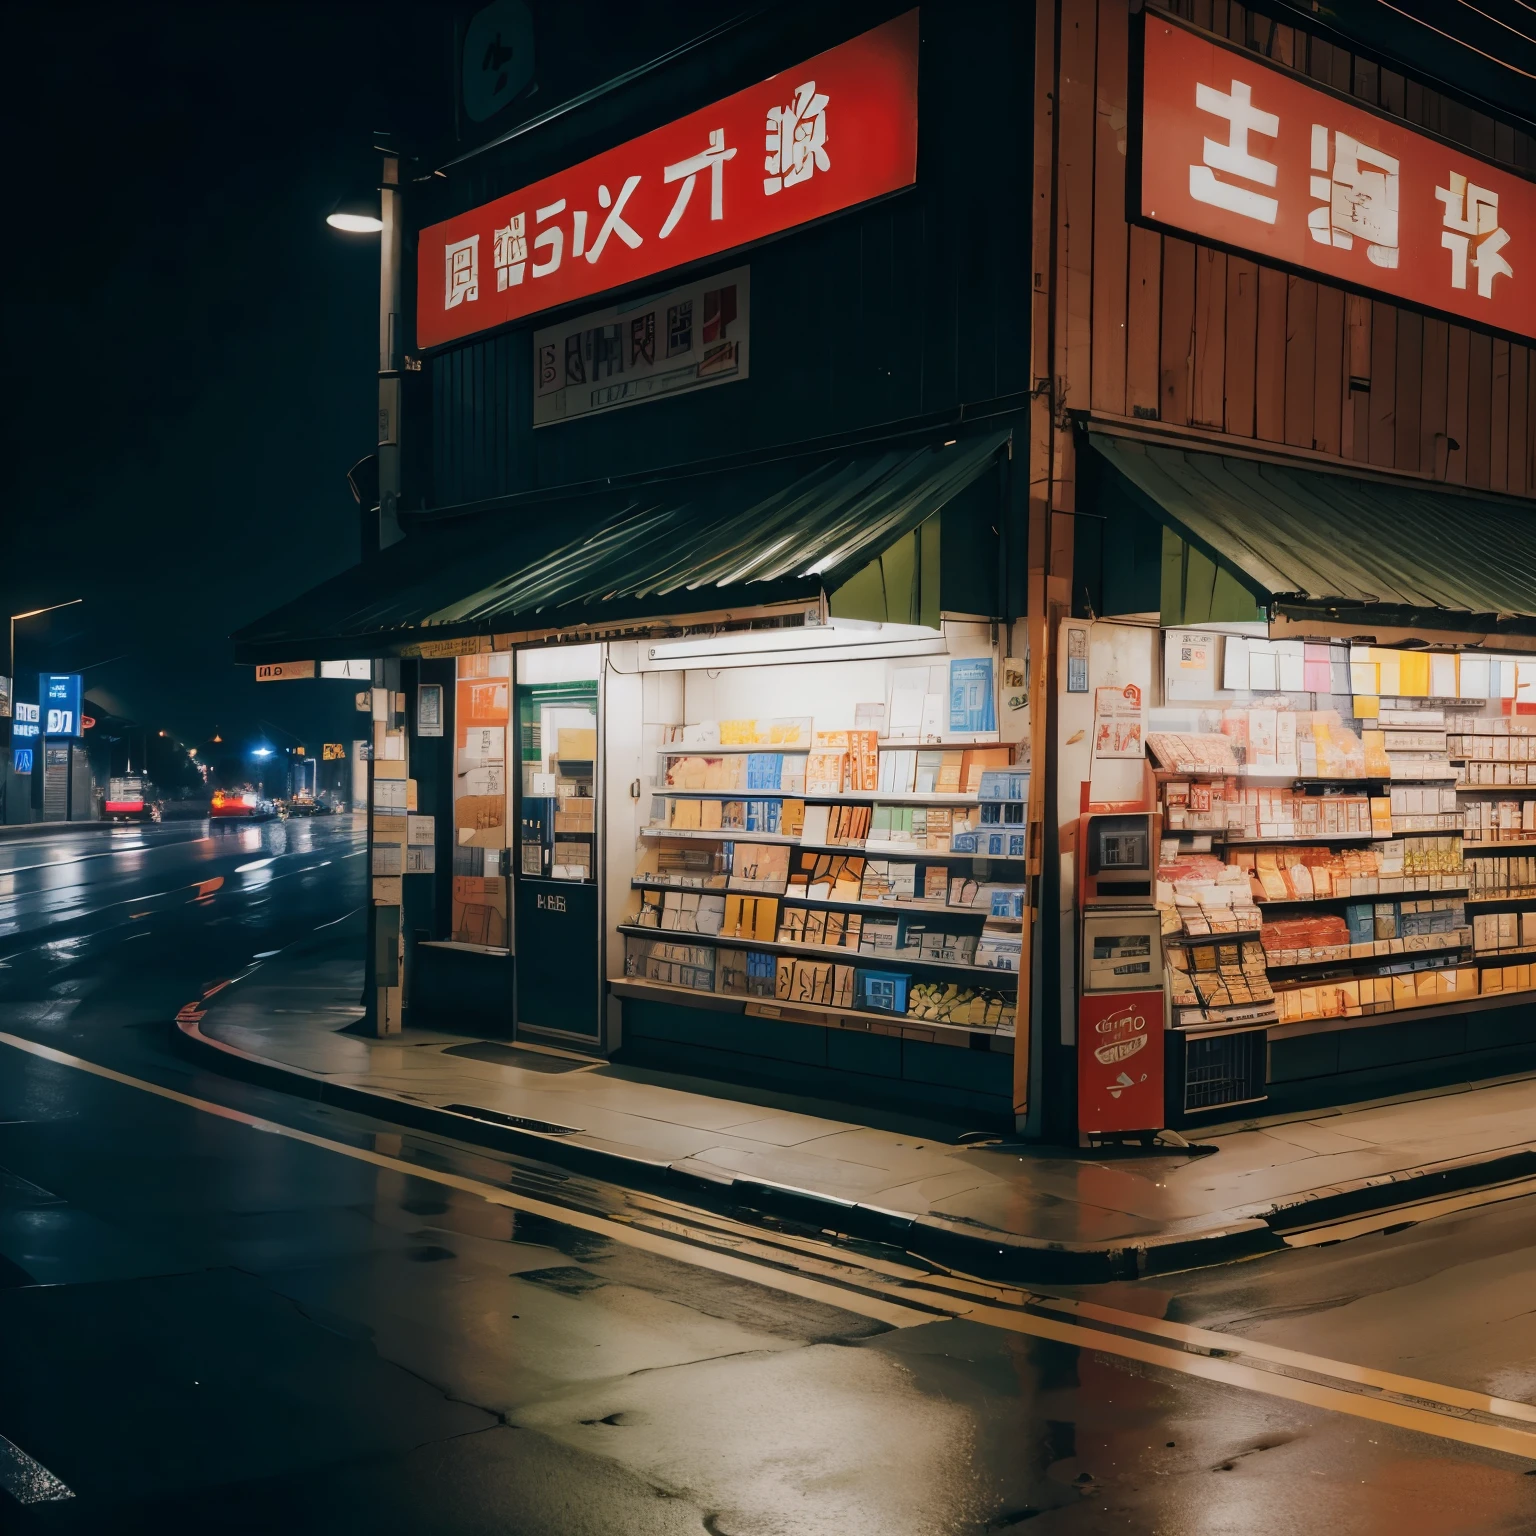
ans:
(1247, 155)
(838, 130)
(1120, 1062)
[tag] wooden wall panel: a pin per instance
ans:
(1432, 428)
(1383, 393)
(1329, 382)
(1208, 390)
(1242, 335)
(1498, 417)
(1479, 405)
(1143, 323)
(1110, 231)
(1519, 419)
(1075, 120)
(1269, 356)
(1213, 340)
(1300, 359)
(1176, 361)
(1410, 389)
(1456, 383)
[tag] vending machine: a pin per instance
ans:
(1120, 1018)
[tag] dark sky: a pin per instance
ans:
(189, 350)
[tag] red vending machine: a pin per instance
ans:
(1120, 1003)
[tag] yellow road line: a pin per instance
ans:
(895, 1314)
(924, 1300)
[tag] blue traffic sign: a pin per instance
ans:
(21, 759)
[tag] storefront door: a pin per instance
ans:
(556, 842)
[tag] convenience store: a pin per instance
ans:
(1291, 502)
(1338, 788)
(717, 595)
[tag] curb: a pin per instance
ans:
(984, 1252)
(24, 829)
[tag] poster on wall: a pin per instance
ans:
(685, 339)
(1117, 722)
(429, 709)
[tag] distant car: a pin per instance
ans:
(131, 799)
(240, 803)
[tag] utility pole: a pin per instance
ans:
(391, 256)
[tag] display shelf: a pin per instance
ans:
(1462, 787)
(730, 835)
(863, 850)
(1481, 847)
(640, 883)
(1386, 1013)
(670, 749)
(1497, 956)
(954, 743)
(1349, 967)
(1307, 901)
(1184, 937)
(847, 797)
(1524, 893)
(905, 1023)
(1311, 837)
(868, 959)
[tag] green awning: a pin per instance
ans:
(1324, 545)
(849, 527)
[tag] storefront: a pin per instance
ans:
(1032, 636)
(1334, 703)
(1288, 572)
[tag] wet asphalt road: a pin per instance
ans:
(207, 1326)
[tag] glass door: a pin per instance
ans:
(556, 860)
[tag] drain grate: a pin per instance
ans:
(516, 1122)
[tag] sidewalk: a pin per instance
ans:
(1006, 1211)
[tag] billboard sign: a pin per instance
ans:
(25, 727)
(1247, 155)
(839, 130)
(5, 698)
(59, 695)
(689, 338)
(21, 759)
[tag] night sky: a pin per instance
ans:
(190, 351)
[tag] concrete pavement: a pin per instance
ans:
(1002, 1209)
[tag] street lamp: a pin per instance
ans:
(386, 218)
(356, 215)
(32, 613)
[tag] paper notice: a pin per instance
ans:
(483, 744)
(490, 780)
(1117, 722)
(1190, 663)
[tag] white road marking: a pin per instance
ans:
(28, 1481)
(906, 1296)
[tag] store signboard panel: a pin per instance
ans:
(1120, 1062)
(1246, 155)
(689, 338)
(838, 130)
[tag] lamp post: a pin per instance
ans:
(10, 654)
(357, 217)
(383, 990)
(31, 613)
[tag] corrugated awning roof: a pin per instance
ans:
(772, 534)
(1329, 545)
